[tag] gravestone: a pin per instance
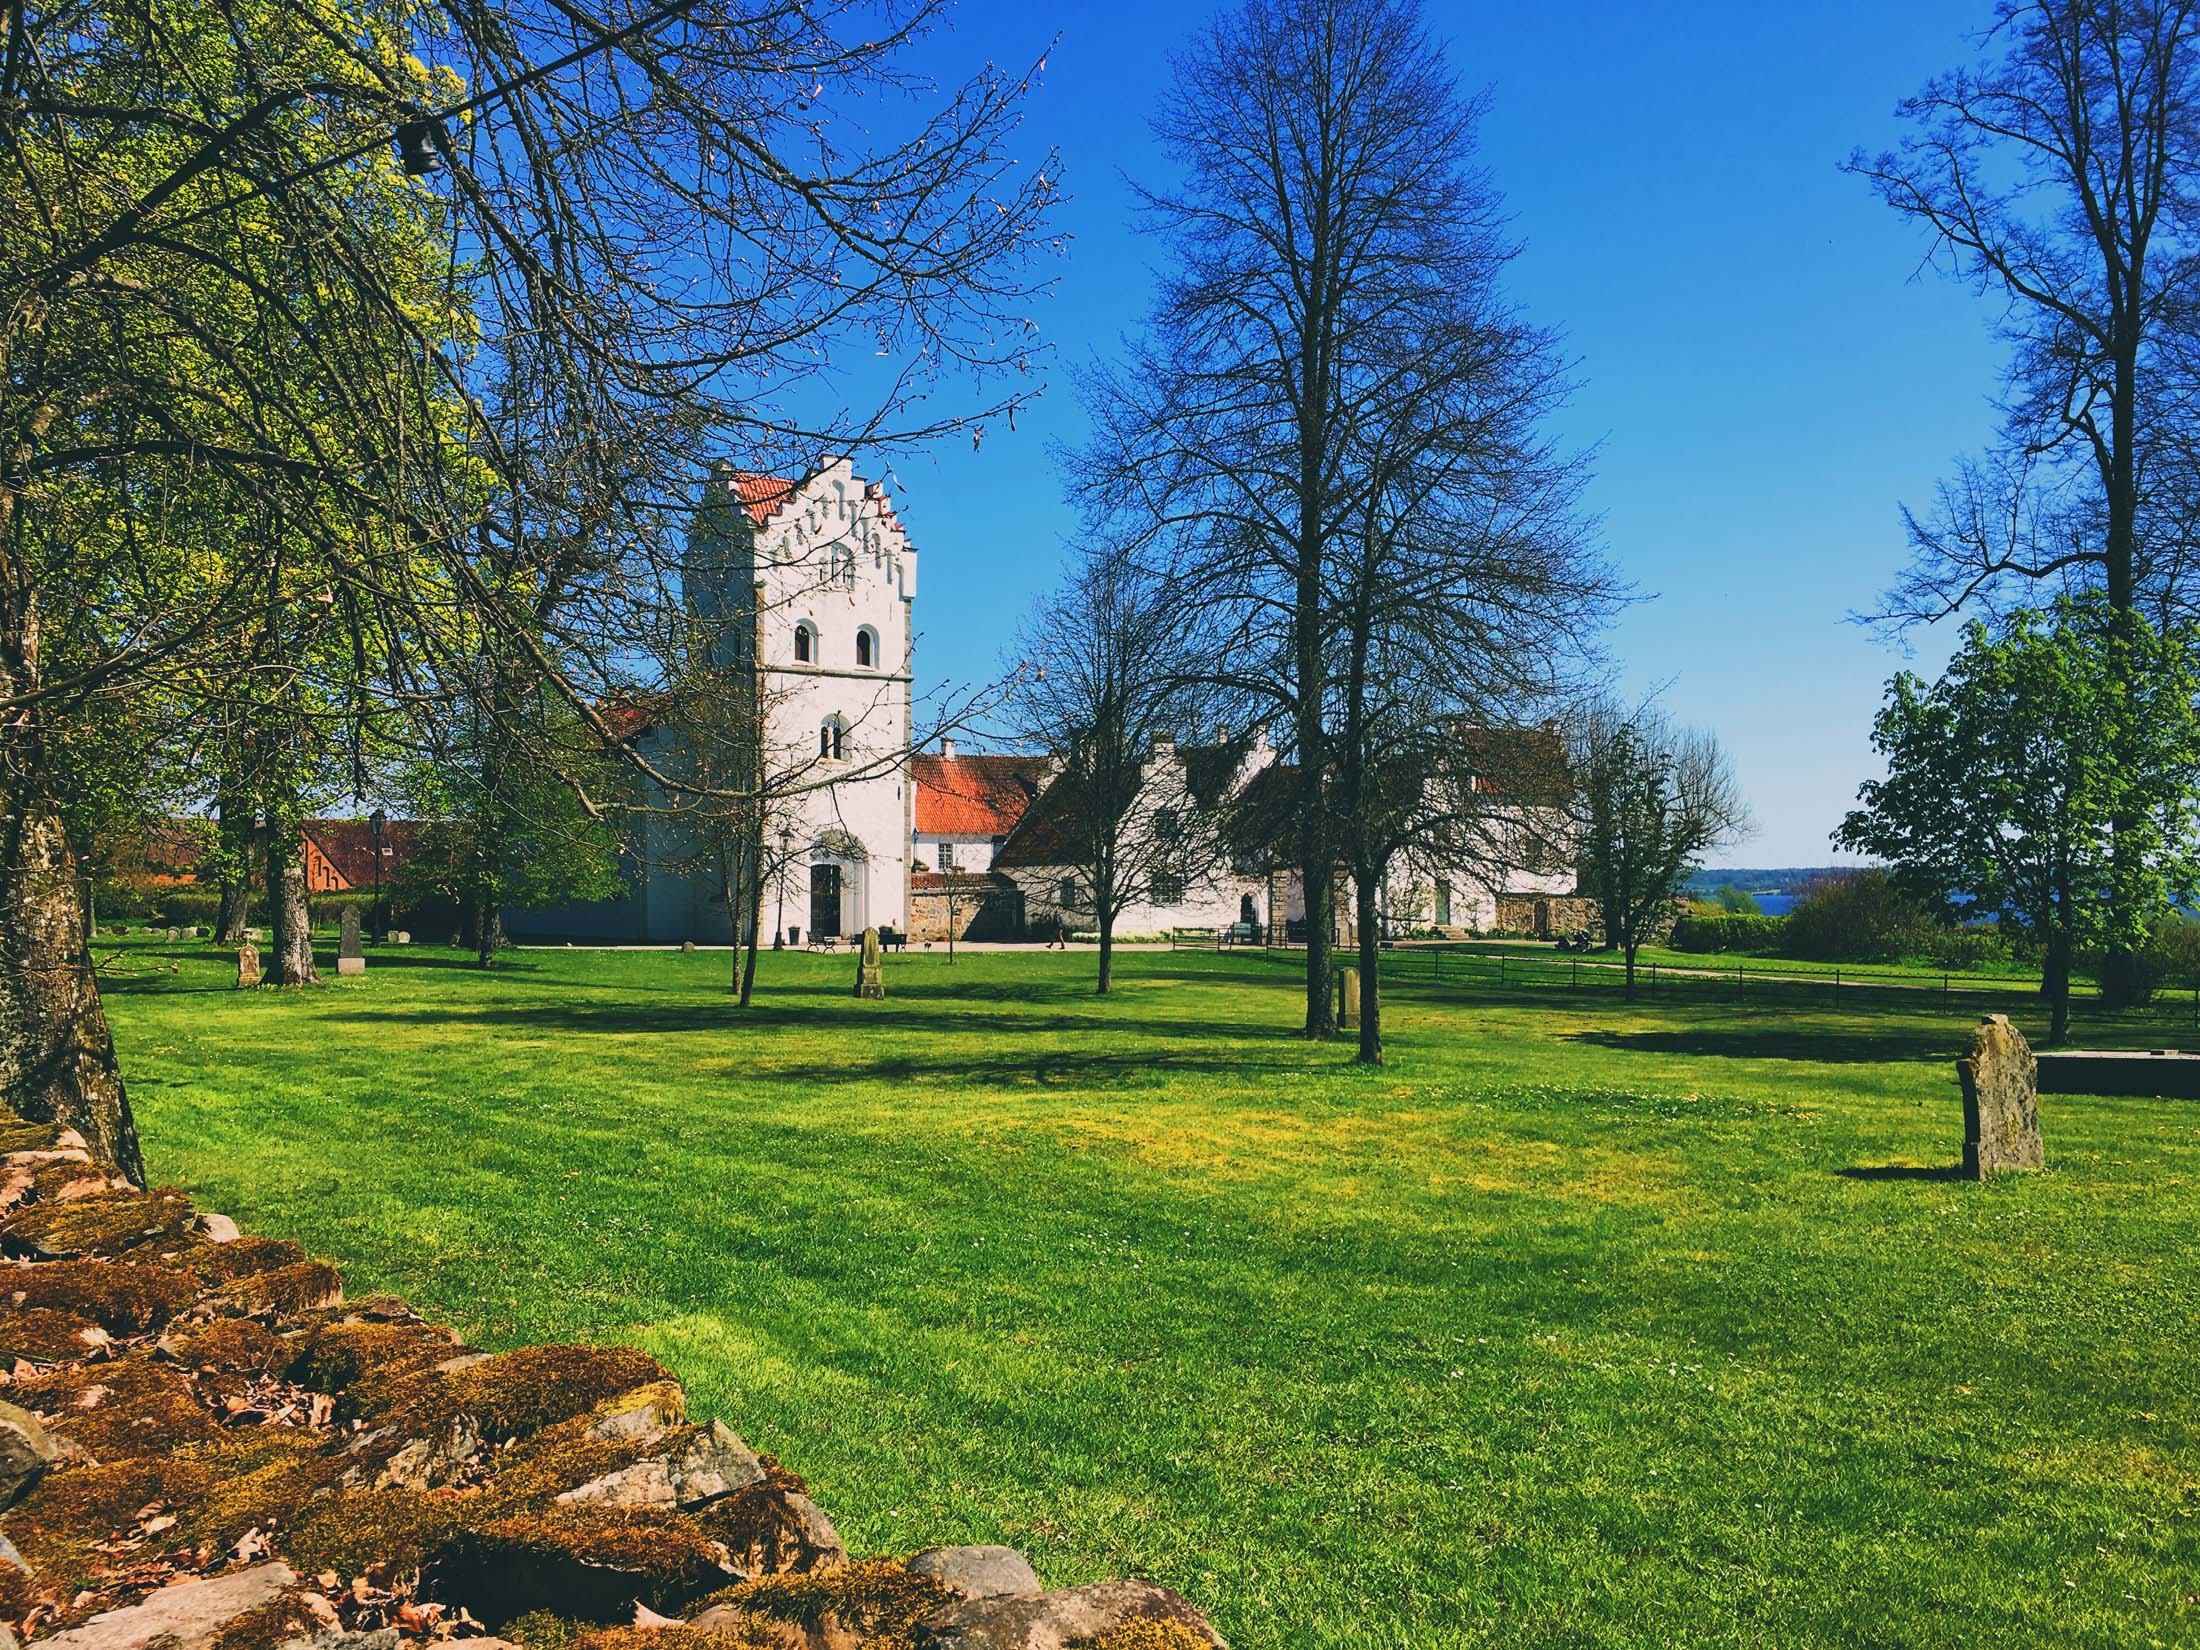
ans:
(2001, 1101)
(687, 945)
(351, 956)
(171, 934)
(1348, 999)
(248, 966)
(870, 970)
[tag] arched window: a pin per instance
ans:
(805, 643)
(866, 648)
(831, 735)
(844, 567)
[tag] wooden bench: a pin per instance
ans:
(1195, 939)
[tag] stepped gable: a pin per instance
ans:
(205, 1445)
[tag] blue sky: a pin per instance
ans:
(1764, 380)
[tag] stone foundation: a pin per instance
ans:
(975, 905)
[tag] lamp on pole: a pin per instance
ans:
(375, 822)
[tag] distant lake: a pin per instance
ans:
(1776, 905)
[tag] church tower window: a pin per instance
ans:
(866, 648)
(831, 736)
(805, 643)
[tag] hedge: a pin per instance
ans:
(1728, 933)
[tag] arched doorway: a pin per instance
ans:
(839, 886)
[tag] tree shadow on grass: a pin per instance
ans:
(1896, 1044)
(1905, 1171)
(841, 1015)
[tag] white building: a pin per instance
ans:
(1235, 801)
(820, 573)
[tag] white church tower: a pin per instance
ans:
(822, 569)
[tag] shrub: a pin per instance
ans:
(2172, 955)
(1729, 933)
(190, 909)
(1978, 945)
(1860, 916)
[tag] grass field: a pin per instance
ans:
(1579, 1324)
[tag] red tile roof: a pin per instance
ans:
(348, 846)
(764, 496)
(974, 795)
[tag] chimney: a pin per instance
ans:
(1164, 744)
(947, 749)
(1222, 733)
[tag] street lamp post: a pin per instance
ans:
(375, 822)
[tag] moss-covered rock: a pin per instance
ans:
(18, 1135)
(64, 1181)
(350, 1531)
(771, 1530)
(62, 1525)
(123, 1296)
(331, 1356)
(284, 1619)
(744, 1635)
(875, 1600)
(46, 1336)
(131, 1406)
(583, 1563)
(231, 1346)
(113, 1223)
(511, 1395)
(1148, 1635)
(219, 1263)
(287, 1289)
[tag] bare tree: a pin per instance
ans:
(1100, 683)
(1651, 800)
(1329, 236)
(225, 290)
(2060, 175)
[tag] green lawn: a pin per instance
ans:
(1580, 1324)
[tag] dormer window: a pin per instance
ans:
(805, 643)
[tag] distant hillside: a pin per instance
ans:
(1779, 880)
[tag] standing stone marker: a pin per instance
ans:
(248, 966)
(1348, 999)
(351, 956)
(2001, 1101)
(870, 972)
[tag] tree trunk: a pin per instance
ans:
(756, 921)
(235, 915)
(1630, 950)
(488, 928)
(1107, 953)
(1365, 879)
(57, 1057)
(290, 922)
(2055, 982)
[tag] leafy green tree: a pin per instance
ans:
(2051, 776)
(1736, 902)
(1650, 801)
(506, 824)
